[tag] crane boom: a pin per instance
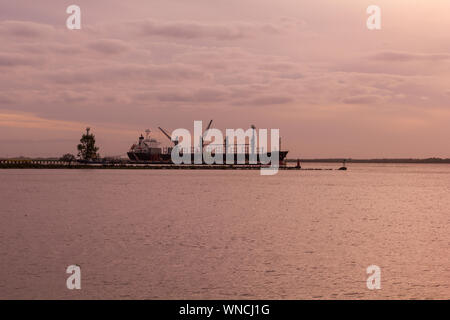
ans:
(165, 133)
(209, 125)
(205, 144)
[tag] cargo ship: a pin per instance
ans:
(149, 150)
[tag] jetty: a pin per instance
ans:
(127, 164)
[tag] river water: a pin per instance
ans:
(156, 234)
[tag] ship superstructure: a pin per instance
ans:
(147, 149)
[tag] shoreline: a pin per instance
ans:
(149, 167)
(379, 161)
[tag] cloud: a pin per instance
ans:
(108, 46)
(200, 96)
(271, 100)
(291, 75)
(279, 66)
(14, 60)
(190, 30)
(362, 99)
(26, 120)
(197, 30)
(5, 99)
(25, 29)
(394, 56)
(127, 72)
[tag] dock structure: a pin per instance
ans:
(126, 164)
(33, 162)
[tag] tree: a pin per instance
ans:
(87, 150)
(68, 157)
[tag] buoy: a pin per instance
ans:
(343, 166)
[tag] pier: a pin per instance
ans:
(126, 164)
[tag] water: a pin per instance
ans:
(226, 234)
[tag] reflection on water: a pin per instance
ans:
(226, 234)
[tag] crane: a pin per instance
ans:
(205, 144)
(175, 142)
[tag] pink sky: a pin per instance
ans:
(310, 68)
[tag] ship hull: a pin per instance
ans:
(148, 157)
(166, 158)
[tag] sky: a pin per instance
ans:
(309, 68)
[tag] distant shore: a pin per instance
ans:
(400, 160)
